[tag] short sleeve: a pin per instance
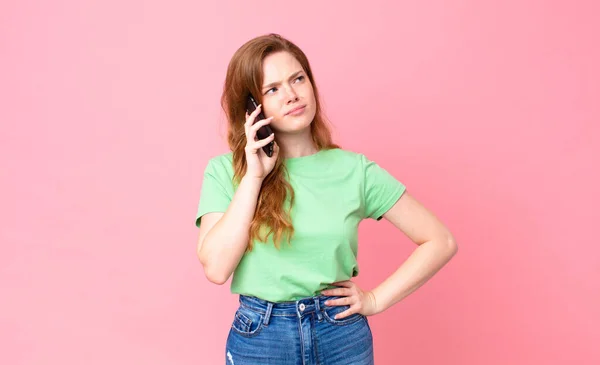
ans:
(216, 192)
(381, 189)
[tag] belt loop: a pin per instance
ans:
(318, 309)
(268, 314)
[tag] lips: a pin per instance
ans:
(295, 109)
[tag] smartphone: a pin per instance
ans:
(264, 131)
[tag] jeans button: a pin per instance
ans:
(302, 307)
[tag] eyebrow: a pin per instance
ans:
(277, 82)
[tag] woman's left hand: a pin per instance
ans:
(362, 302)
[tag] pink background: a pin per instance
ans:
(487, 111)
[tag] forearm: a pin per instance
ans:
(427, 259)
(225, 244)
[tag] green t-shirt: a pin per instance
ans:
(334, 190)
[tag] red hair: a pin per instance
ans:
(244, 77)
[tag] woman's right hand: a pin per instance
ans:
(259, 164)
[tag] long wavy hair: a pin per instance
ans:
(244, 76)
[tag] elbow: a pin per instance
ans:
(214, 276)
(452, 245)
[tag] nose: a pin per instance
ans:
(291, 95)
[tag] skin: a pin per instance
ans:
(286, 86)
(436, 245)
(435, 242)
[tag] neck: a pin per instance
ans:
(298, 145)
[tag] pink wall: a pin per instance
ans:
(488, 112)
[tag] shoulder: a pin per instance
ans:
(349, 157)
(220, 164)
(222, 159)
(345, 154)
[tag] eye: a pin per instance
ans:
(300, 78)
(270, 90)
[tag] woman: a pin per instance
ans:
(286, 226)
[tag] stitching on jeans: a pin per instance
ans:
(343, 321)
(301, 338)
(264, 313)
(316, 341)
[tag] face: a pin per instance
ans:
(286, 87)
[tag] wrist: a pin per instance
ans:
(378, 301)
(252, 180)
(373, 301)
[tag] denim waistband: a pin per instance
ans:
(285, 309)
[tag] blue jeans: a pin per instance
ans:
(303, 332)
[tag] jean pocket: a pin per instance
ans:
(329, 312)
(247, 322)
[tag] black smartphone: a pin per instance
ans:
(264, 131)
